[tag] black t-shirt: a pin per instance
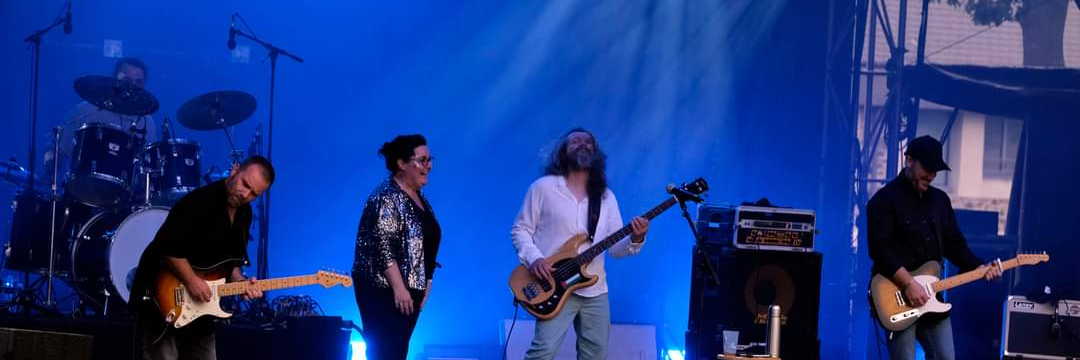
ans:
(432, 235)
(198, 229)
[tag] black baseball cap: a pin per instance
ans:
(927, 150)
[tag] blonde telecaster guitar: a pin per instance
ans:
(895, 312)
(178, 308)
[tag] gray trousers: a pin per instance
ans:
(591, 318)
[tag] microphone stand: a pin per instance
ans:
(700, 252)
(34, 41)
(699, 243)
(264, 225)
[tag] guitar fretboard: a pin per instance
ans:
(238, 288)
(970, 276)
(596, 250)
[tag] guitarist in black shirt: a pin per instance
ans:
(909, 224)
(205, 236)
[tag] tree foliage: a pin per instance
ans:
(993, 12)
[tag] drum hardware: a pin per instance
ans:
(16, 174)
(28, 295)
(49, 297)
(106, 253)
(115, 95)
(102, 164)
(154, 167)
(218, 110)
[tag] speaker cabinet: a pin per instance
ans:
(44, 345)
(751, 280)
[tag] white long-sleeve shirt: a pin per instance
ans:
(551, 215)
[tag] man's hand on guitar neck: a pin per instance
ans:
(251, 291)
(993, 270)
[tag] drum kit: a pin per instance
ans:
(116, 194)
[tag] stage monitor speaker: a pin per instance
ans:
(20, 344)
(306, 337)
(751, 280)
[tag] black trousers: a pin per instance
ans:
(386, 330)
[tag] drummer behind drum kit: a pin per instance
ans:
(118, 193)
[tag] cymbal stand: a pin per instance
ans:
(148, 170)
(54, 196)
(27, 297)
(234, 155)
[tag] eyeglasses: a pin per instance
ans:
(423, 160)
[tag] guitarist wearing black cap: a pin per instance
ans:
(911, 225)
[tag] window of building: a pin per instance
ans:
(1000, 144)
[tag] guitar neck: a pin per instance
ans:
(599, 248)
(970, 276)
(238, 288)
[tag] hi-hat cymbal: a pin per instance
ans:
(216, 110)
(121, 97)
(15, 173)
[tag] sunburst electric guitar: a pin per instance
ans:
(544, 299)
(894, 311)
(178, 308)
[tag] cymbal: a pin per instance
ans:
(121, 97)
(216, 110)
(15, 173)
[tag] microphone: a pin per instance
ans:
(256, 139)
(683, 195)
(232, 32)
(67, 19)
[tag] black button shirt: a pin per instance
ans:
(906, 228)
(198, 229)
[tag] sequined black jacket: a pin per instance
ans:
(390, 232)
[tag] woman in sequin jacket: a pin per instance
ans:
(396, 246)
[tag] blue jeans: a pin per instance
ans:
(592, 322)
(934, 333)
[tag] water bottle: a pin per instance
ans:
(773, 340)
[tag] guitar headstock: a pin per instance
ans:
(329, 279)
(696, 187)
(689, 191)
(1032, 259)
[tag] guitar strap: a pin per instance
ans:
(594, 215)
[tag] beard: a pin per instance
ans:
(582, 159)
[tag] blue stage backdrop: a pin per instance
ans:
(729, 90)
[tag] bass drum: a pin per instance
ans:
(107, 249)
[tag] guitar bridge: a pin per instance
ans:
(904, 315)
(531, 291)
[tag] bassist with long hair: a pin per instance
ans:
(571, 199)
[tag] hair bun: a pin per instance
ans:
(384, 151)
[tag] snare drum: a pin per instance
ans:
(107, 249)
(101, 164)
(180, 169)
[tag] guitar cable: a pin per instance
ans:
(506, 344)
